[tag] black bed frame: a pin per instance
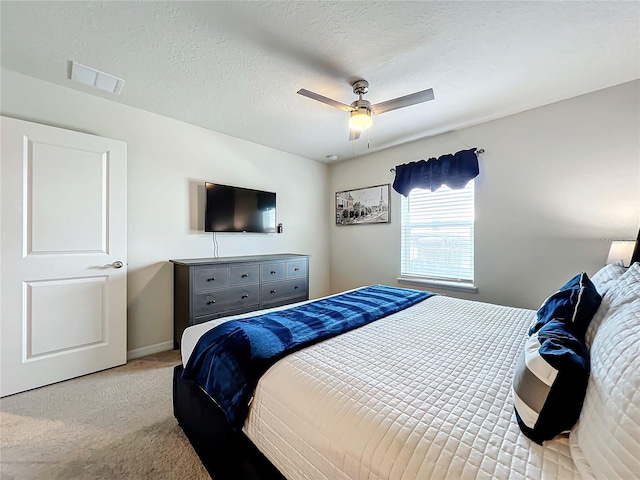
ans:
(225, 453)
(636, 251)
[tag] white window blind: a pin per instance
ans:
(437, 234)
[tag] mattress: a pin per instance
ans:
(423, 393)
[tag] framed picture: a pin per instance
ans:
(363, 206)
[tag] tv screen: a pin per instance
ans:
(235, 209)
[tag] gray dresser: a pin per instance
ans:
(208, 288)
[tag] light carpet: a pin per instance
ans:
(115, 424)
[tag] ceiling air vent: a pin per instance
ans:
(94, 78)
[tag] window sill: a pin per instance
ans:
(442, 284)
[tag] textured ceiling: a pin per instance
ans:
(235, 67)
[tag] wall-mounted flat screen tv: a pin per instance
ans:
(236, 209)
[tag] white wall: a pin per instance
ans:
(168, 162)
(556, 184)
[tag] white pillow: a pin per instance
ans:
(608, 431)
(627, 288)
(617, 291)
(606, 277)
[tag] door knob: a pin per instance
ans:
(117, 264)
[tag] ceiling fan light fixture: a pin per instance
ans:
(360, 119)
(361, 111)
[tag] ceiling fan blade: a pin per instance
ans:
(354, 135)
(327, 100)
(400, 102)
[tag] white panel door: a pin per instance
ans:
(63, 254)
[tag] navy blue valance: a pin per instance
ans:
(454, 171)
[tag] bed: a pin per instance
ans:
(425, 393)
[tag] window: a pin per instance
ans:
(437, 236)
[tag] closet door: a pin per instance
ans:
(63, 254)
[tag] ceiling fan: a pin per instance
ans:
(361, 111)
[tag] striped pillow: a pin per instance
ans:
(550, 381)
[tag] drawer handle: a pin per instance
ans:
(273, 272)
(245, 275)
(296, 287)
(212, 279)
(245, 296)
(296, 269)
(211, 302)
(273, 291)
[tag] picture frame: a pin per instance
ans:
(364, 206)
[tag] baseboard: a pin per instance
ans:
(144, 351)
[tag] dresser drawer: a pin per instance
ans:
(222, 300)
(210, 278)
(285, 301)
(286, 289)
(273, 271)
(245, 275)
(227, 313)
(297, 269)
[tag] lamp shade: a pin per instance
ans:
(621, 251)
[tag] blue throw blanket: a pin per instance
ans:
(229, 359)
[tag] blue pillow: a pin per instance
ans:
(550, 381)
(574, 304)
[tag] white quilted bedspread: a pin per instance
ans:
(421, 394)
